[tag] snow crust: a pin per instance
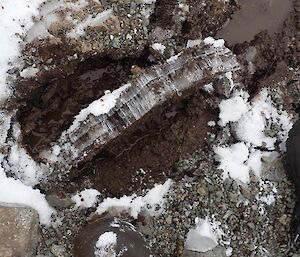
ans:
(250, 122)
(15, 19)
(158, 47)
(151, 204)
(99, 106)
(29, 72)
(14, 191)
(214, 42)
(105, 245)
(90, 21)
(86, 198)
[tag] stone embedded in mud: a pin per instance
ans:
(127, 241)
(117, 111)
(59, 200)
(19, 233)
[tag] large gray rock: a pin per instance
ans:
(19, 231)
(216, 252)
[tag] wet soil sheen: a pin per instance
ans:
(253, 17)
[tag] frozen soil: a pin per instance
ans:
(176, 142)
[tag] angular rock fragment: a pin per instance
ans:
(217, 252)
(119, 111)
(201, 238)
(19, 233)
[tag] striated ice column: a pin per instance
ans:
(107, 117)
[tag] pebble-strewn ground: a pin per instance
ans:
(182, 146)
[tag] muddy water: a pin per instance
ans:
(253, 17)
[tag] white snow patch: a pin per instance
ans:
(151, 204)
(99, 106)
(14, 191)
(86, 198)
(209, 88)
(100, 18)
(23, 166)
(15, 19)
(229, 251)
(238, 160)
(193, 42)
(262, 113)
(211, 123)
(228, 75)
(106, 244)
(232, 109)
(173, 58)
(29, 72)
(232, 160)
(158, 47)
(250, 121)
(149, 1)
(19, 164)
(5, 120)
(51, 13)
(215, 43)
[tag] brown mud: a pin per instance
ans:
(51, 106)
(146, 154)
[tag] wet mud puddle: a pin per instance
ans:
(253, 17)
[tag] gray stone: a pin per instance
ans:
(216, 252)
(19, 231)
(59, 250)
(59, 200)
